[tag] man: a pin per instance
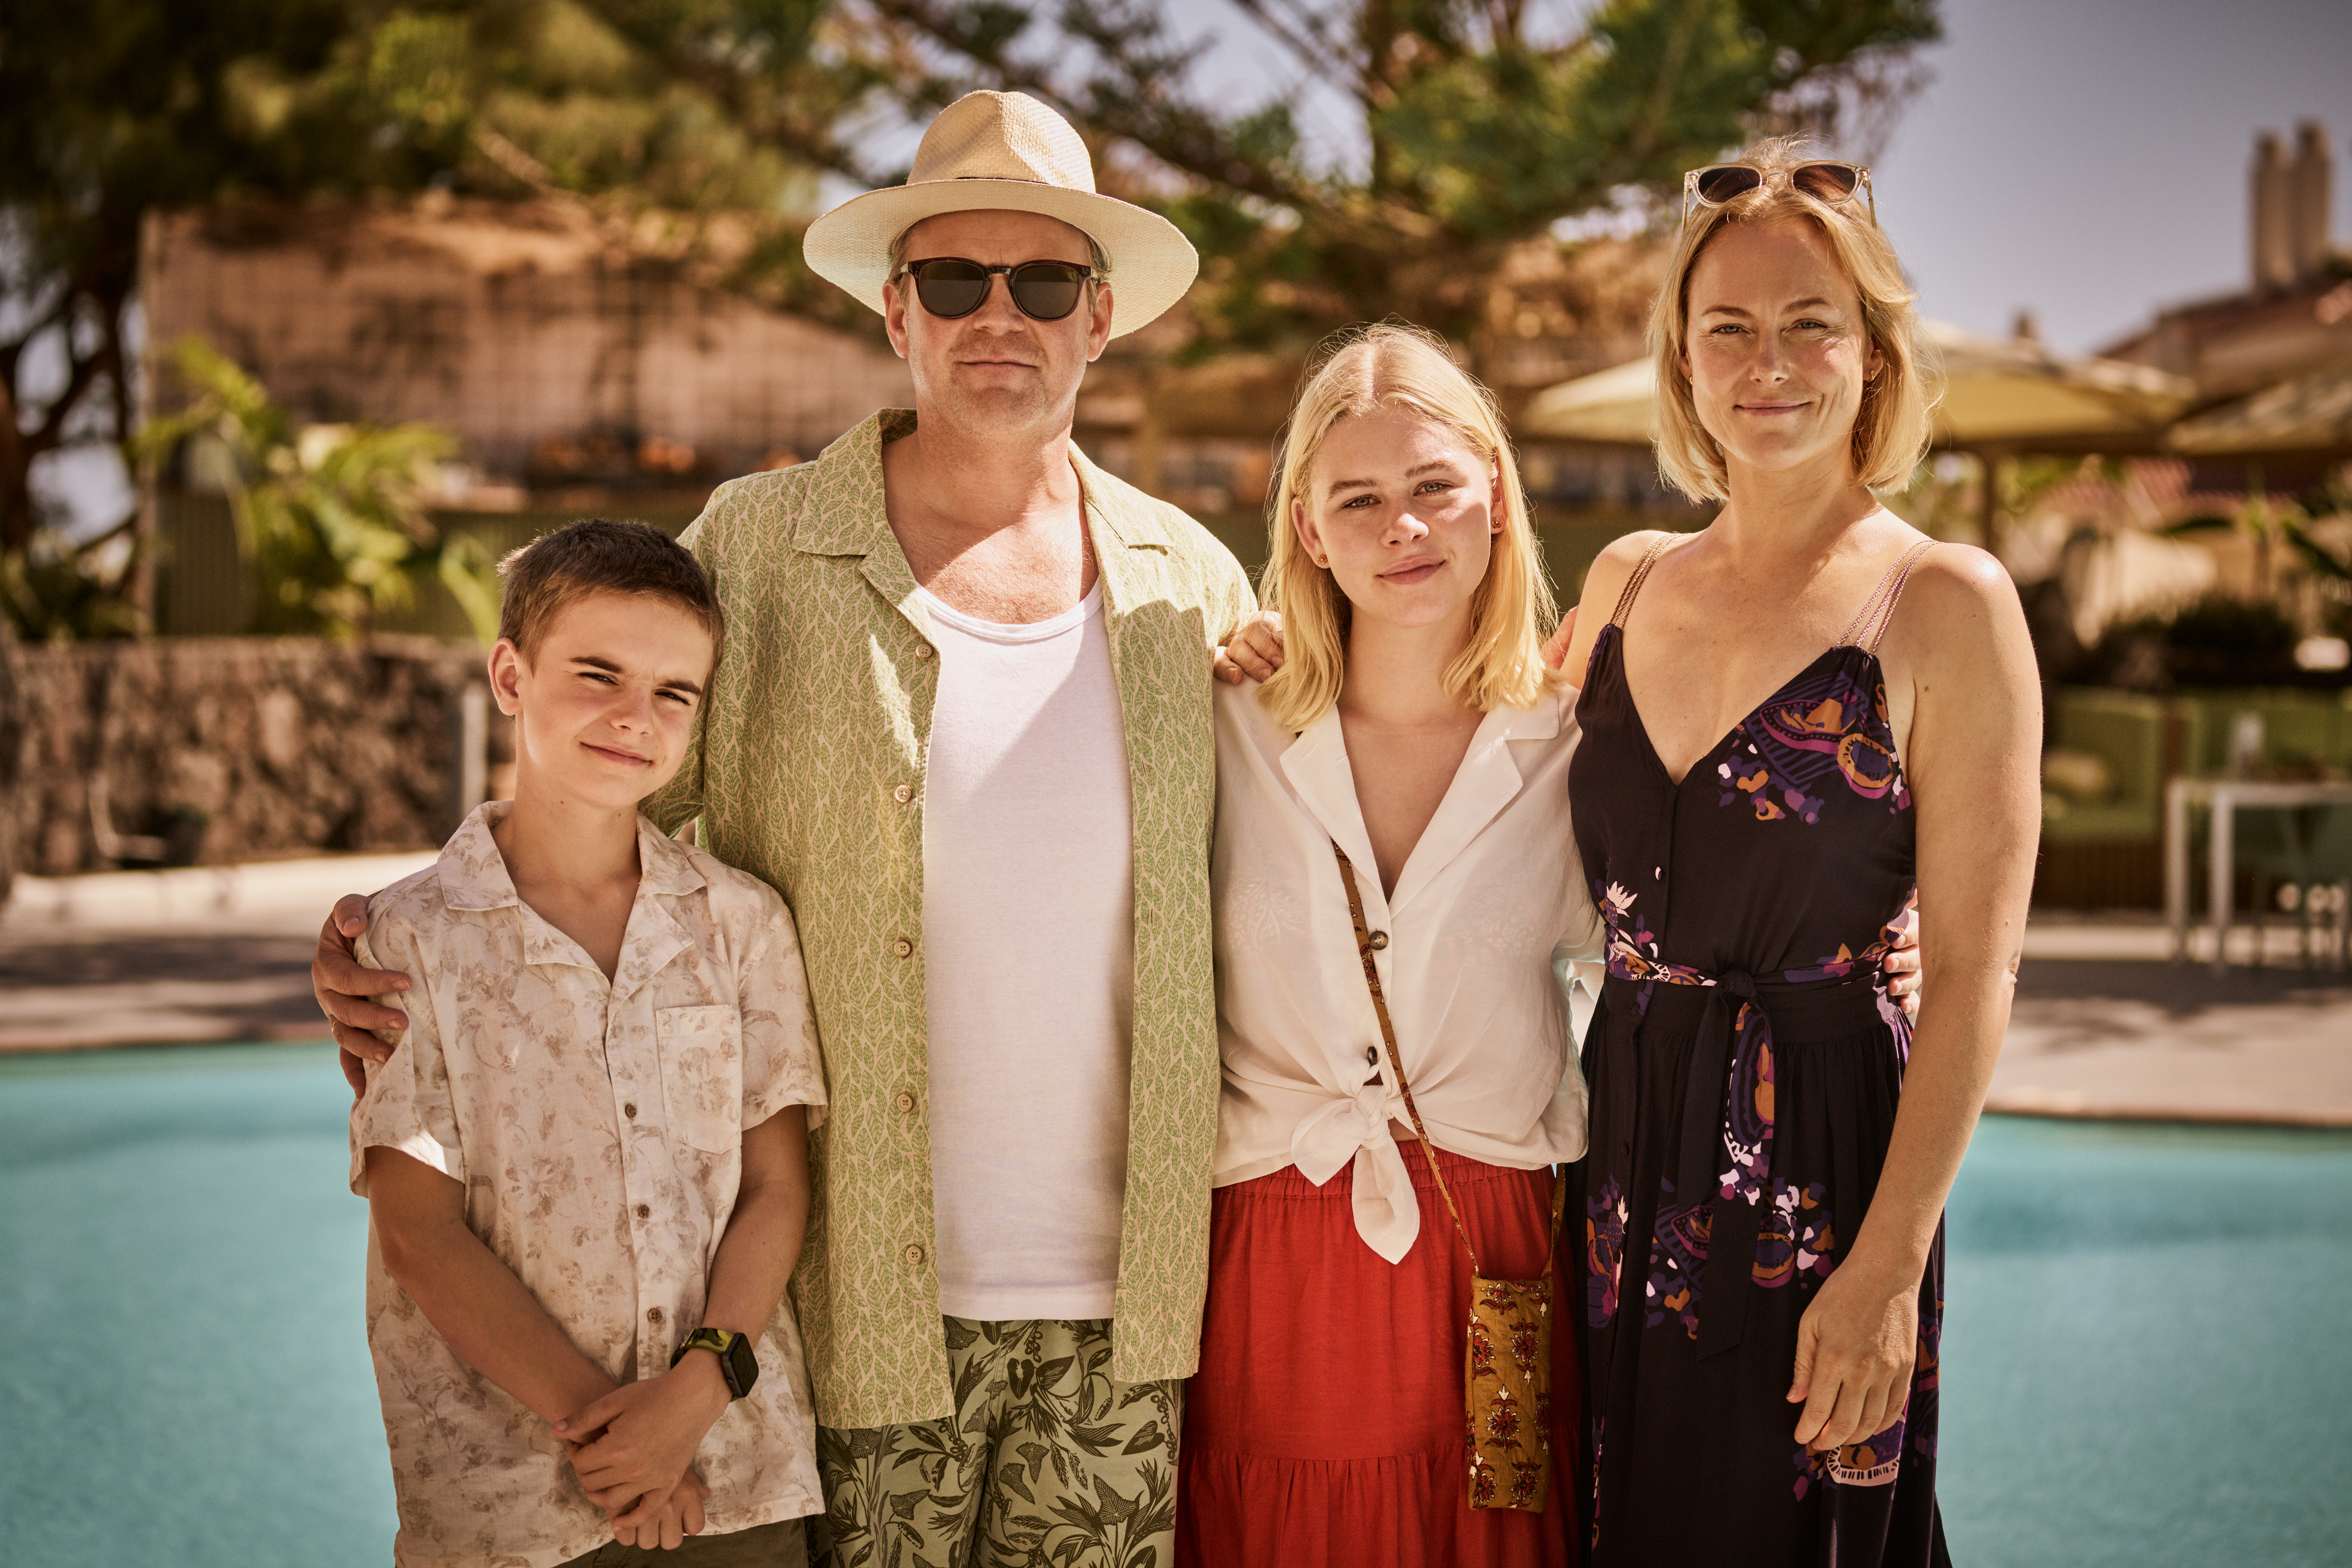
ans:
(963, 727)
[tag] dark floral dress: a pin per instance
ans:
(1745, 1066)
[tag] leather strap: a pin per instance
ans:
(1364, 951)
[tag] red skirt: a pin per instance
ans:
(1326, 1426)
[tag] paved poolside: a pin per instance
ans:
(2103, 1027)
(173, 957)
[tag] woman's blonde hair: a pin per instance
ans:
(1891, 428)
(1360, 372)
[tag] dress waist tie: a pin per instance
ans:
(1726, 1147)
(1733, 1028)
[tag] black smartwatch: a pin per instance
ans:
(737, 1364)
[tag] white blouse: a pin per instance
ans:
(1489, 912)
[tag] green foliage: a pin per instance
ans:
(1478, 134)
(708, 121)
(2220, 640)
(1941, 498)
(330, 518)
(52, 591)
(2317, 558)
(116, 107)
(2220, 624)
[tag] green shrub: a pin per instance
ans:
(330, 519)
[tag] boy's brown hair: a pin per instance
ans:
(597, 556)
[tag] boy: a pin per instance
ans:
(587, 1172)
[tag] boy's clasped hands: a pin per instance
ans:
(634, 1452)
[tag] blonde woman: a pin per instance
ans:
(1415, 732)
(1791, 720)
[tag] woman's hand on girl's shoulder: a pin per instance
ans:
(1555, 652)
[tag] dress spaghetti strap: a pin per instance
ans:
(1641, 572)
(1879, 608)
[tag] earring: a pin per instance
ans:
(1324, 561)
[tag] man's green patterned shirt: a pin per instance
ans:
(809, 774)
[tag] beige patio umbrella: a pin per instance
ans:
(2310, 413)
(2004, 396)
(2013, 393)
(1612, 406)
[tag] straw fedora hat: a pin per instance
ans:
(1006, 150)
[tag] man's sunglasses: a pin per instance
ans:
(951, 287)
(1720, 183)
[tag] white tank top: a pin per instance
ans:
(1029, 945)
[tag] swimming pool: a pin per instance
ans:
(2146, 1357)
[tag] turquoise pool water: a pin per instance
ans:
(2147, 1357)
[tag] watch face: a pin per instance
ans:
(742, 1365)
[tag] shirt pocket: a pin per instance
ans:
(701, 1053)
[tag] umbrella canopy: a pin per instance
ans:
(2311, 414)
(1996, 392)
(1612, 406)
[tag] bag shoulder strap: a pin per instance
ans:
(1364, 951)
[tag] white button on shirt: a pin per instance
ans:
(1489, 911)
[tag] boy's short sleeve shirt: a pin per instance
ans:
(597, 1128)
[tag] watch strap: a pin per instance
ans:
(727, 1347)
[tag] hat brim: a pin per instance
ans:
(1151, 262)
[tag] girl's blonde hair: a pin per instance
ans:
(1360, 372)
(1892, 427)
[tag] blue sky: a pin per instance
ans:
(2088, 158)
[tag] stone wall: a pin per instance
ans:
(214, 749)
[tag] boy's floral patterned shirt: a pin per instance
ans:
(598, 1128)
(810, 775)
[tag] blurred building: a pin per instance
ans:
(2293, 319)
(2176, 595)
(586, 370)
(583, 370)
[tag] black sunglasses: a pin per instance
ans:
(950, 287)
(1824, 181)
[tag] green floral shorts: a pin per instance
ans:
(1045, 1462)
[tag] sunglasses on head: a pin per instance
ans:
(950, 287)
(1720, 183)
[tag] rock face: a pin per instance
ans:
(211, 750)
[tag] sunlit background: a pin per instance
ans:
(310, 308)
